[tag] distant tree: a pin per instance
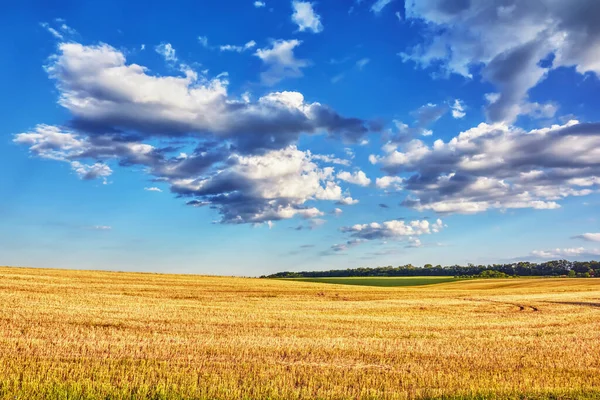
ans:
(490, 273)
(548, 268)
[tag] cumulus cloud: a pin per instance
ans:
(280, 61)
(498, 166)
(590, 237)
(105, 94)
(245, 164)
(392, 230)
(305, 17)
(509, 38)
(347, 201)
(51, 143)
(243, 188)
(356, 178)
(386, 182)
(263, 188)
(259, 4)
(565, 253)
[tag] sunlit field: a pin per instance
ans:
(103, 335)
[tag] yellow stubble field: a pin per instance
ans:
(109, 335)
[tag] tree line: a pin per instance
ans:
(548, 268)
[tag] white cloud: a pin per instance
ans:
(266, 187)
(98, 87)
(239, 49)
(255, 189)
(498, 166)
(347, 201)
(280, 61)
(590, 237)
(509, 39)
(387, 181)
(153, 189)
(305, 17)
(379, 5)
(394, 229)
(167, 51)
(565, 253)
(245, 164)
(259, 4)
(458, 109)
(51, 143)
(337, 211)
(59, 30)
(356, 178)
(52, 31)
(66, 28)
(91, 171)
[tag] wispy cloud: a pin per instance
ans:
(379, 5)
(238, 49)
(100, 228)
(203, 40)
(362, 63)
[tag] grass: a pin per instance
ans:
(101, 335)
(381, 281)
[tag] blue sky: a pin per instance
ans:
(243, 137)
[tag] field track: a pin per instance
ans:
(107, 335)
